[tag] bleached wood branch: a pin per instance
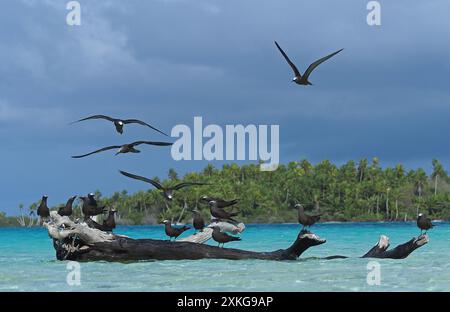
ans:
(61, 228)
(206, 234)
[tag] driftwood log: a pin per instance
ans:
(380, 250)
(77, 241)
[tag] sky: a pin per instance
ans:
(165, 61)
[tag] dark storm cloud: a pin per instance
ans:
(167, 61)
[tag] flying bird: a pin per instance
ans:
(221, 203)
(119, 123)
(173, 231)
(304, 219)
(90, 206)
(166, 191)
(298, 78)
(220, 213)
(198, 221)
(424, 223)
(221, 237)
(43, 210)
(68, 208)
(126, 148)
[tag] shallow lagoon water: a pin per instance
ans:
(27, 263)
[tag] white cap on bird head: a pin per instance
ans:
(120, 122)
(420, 214)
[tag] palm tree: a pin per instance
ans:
(420, 178)
(362, 168)
(173, 175)
(438, 171)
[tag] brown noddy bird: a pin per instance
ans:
(221, 237)
(126, 148)
(119, 123)
(68, 208)
(221, 203)
(198, 221)
(166, 191)
(110, 223)
(424, 223)
(303, 79)
(90, 207)
(304, 219)
(220, 213)
(43, 210)
(173, 231)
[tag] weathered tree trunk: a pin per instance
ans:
(128, 249)
(400, 252)
(77, 241)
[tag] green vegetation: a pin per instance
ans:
(355, 191)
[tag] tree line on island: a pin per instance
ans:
(354, 191)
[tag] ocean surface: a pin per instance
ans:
(28, 263)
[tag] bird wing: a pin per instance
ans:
(96, 117)
(136, 177)
(294, 68)
(317, 63)
(186, 184)
(98, 151)
(151, 143)
(128, 121)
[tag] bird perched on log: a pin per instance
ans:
(220, 213)
(303, 79)
(68, 208)
(304, 219)
(424, 223)
(198, 221)
(221, 237)
(90, 207)
(166, 191)
(173, 231)
(110, 223)
(126, 148)
(221, 203)
(43, 210)
(119, 123)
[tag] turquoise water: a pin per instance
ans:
(27, 263)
